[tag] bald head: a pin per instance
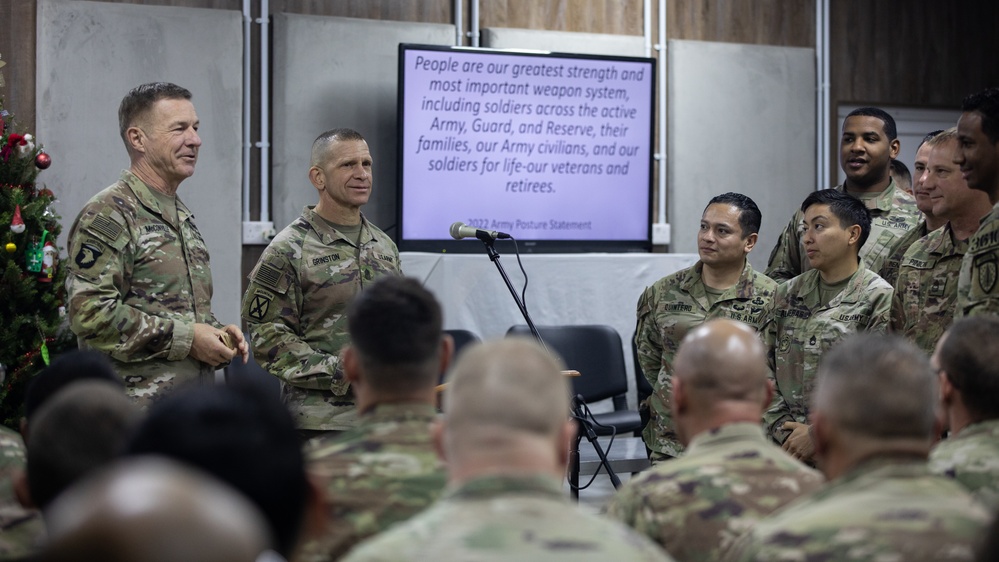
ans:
(877, 387)
(152, 510)
(722, 360)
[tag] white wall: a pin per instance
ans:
(741, 118)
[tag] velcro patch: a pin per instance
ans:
(106, 227)
(268, 276)
(89, 253)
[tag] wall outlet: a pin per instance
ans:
(660, 233)
(258, 232)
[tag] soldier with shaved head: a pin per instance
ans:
(873, 420)
(296, 301)
(505, 438)
(730, 475)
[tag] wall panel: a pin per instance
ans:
(90, 54)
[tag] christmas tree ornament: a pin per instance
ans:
(17, 223)
(33, 256)
(26, 145)
(43, 160)
(50, 260)
(10, 247)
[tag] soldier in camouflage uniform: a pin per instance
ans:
(869, 143)
(721, 284)
(815, 310)
(978, 135)
(139, 282)
(967, 360)
(386, 469)
(926, 288)
(506, 436)
(296, 301)
(873, 421)
(730, 475)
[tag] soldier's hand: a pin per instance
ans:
(208, 347)
(799, 443)
(236, 335)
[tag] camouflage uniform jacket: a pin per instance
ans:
(137, 285)
(667, 310)
(377, 474)
(801, 329)
(21, 529)
(728, 478)
(926, 288)
(893, 215)
(508, 518)
(977, 290)
(972, 458)
(296, 308)
(885, 509)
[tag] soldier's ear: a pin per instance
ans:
(750, 242)
(855, 232)
(437, 433)
(350, 364)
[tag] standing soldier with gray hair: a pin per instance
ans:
(873, 420)
(296, 301)
(926, 288)
(139, 281)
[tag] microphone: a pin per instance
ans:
(460, 230)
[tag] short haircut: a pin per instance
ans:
(929, 136)
(986, 103)
(943, 137)
(738, 374)
(877, 386)
(141, 98)
(320, 146)
(970, 356)
(901, 171)
(750, 217)
(847, 208)
(81, 428)
(887, 120)
(65, 369)
(512, 385)
(395, 325)
(243, 436)
(153, 510)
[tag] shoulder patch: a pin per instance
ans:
(268, 276)
(89, 254)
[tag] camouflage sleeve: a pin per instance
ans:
(271, 308)
(648, 338)
(99, 277)
(897, 324)
(881, 318)
(778, 412)
(785, 259)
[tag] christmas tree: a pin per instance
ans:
(32, 288)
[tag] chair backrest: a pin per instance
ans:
(462, 338)
(595, 351)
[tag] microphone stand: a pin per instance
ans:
(577, 402)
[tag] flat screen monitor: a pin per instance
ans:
(554, 149)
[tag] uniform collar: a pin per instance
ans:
(145, 196)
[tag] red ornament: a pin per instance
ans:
(43, 160)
